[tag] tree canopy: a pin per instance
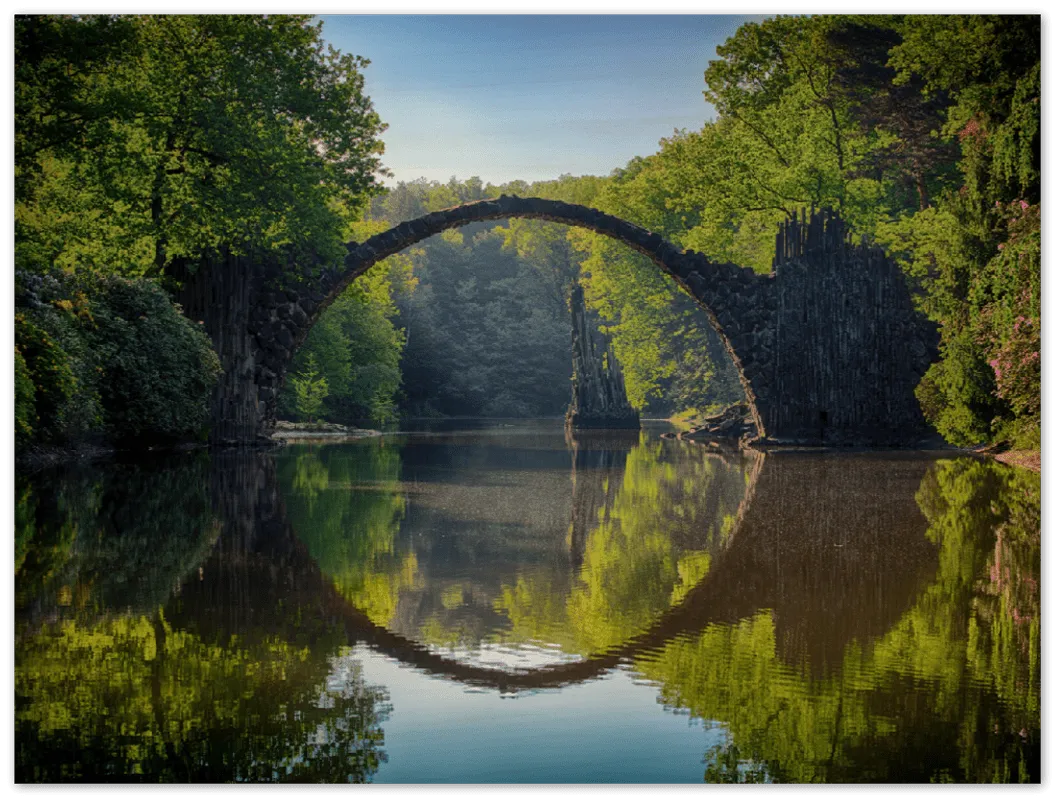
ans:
(142, 138)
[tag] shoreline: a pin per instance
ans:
(327, 435)
(45, 457)
(40, 457)
(1023, 458)
(323, 431)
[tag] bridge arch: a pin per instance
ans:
(828, 346)
(685, 268)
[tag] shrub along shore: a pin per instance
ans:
(104, 363)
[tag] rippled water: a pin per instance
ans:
(499, 603)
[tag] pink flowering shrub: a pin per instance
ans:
(1010, 328)
(1018, 367)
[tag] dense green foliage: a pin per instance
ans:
(357, 346)
(921, 131)
(108, 357)
(673, 360)
(977, 254)
(140, 139)
(488, 324)
(157, 367)
(144, 139)
(951, 106)
(485, 337)
(46, 383)
(25, 401)
(310, 390)
(487, 332)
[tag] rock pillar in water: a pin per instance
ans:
(599, 398)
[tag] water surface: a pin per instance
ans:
(498, 602)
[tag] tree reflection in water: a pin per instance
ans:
(113, 683)
(636, 532)
(947, 690)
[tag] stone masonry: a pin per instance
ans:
(828, 346)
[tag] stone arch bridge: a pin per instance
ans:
(828, 346)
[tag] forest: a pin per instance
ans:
(143, 143)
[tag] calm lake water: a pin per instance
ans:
(494, 603)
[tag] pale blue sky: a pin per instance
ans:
(530, 97)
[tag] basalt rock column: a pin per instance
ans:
(849, 349)
(599, 397)
(221, 294)
(256, 308)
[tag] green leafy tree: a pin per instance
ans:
(358, 347)
(310, 390)
(921, 131)
(486, 333)
(112, 357)
(45, 378)
(671, 357)
(158, 368)
(977, 254)
(25, 401)
(146, 140)
(140, 139)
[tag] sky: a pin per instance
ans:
(530, 97)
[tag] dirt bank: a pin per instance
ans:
(1026, 459)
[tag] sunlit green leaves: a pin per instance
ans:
(179, 134)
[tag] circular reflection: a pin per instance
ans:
(516, 547)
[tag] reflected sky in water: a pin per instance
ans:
(498, 602)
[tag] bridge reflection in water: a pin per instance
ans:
(819, 607)
(834, 549)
